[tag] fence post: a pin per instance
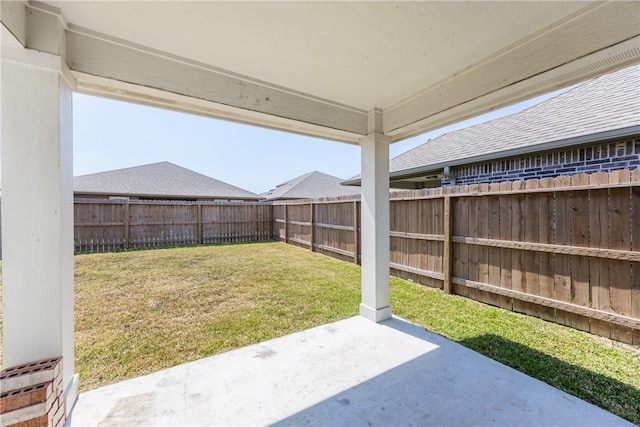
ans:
(199, 217)
(286, 225)
(127, 220)
(356, 249)
(312, 237)
(446, 261)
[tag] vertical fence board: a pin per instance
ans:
(436, 224)
(562, 233)
(447, 249)
(531, 218)
(599, 238)
(505, 213)
(580, 265)
(312, 228)
(494, 233)
(518, 274)
(356, 234)
(619, 238)
(394, 242)
(545, 259)
(483, 251)
(437, 228)
(635, 242)
(127, 220)
(460, 251)
(472, 231)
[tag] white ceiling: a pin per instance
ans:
(361, 54)
(319, 67)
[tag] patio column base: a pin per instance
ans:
(375, 314)
(71, 393)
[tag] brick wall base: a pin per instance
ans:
(31, 395)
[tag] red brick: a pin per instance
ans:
(42, 421)
(58, 415)
(51, 402)
(29, 374)
(14, 400)
(24, 397)
(49, 394)
(41, 392)
(30, 367)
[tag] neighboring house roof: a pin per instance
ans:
(159, 180)
(312, 185)
(599, 109)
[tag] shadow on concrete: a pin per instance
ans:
(587, 385)
(455, 386)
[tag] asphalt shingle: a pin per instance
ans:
(162, 179)
(312, 185)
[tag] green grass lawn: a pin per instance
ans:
(138, 312)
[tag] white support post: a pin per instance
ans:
(37, 211)
(375, 222)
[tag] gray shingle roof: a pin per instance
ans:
(603, 104)
(159, 180)
(312, 185)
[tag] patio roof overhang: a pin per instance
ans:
(319, 68)
(367, 73)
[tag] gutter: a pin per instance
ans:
(447, 172)
(547, 146)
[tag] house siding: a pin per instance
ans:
(599, 157)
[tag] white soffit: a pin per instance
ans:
(332, 50)
(325, 64)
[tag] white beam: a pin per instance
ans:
(375, 222)
(117, 60)
(14, 19)
(128, 92)
(37, 212)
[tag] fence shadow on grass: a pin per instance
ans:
(608, 393)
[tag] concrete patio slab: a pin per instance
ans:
(351, 373)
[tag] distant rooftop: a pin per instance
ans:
(162, 180)
(312, 185)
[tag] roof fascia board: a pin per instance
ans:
(118, 69)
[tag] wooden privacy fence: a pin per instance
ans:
(565, 249)
(104, 225)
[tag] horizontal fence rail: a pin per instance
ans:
(565, 249)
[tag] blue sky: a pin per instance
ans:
(113, 135)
